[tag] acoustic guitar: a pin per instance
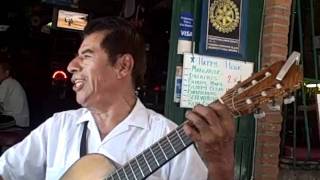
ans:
(278, 80)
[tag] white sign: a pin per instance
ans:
(206, 78)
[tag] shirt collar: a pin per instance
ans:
(138, 116)
(87, 116)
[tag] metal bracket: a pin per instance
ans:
(294, 57)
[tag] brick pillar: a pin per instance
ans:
(274, 48)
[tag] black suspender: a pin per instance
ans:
(83, 144)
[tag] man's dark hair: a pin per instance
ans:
(120, 38)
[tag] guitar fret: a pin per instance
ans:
(128, 170)
(108, 178)
(134, 175)
(115, 176)
(139, 167)
(147, 162)
(118, 174)
(160, 155)
(180, 137)
(154, 157)
(177, 142)
(187, 140)
(167, 148)
(125, 173)
(143, 164)
(150, 159)
(163, 151)
(171, 145)
(136, 169)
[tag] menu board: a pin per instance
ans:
(206, 78)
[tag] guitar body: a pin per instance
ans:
(89, 167)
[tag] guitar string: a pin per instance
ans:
(246, 82)
(126, 165)
(173, 137)
(135, 169)
(242, 103)
(162, 141)
(156, 149)
(230, 92)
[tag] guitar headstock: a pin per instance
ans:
(263, 87)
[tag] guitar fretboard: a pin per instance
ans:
(154, 157)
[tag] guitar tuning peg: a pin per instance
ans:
(273, 106)
(240, 90)
(267, 74)
(278, 86)
(258, 114)
(289, 100)
(254, 82)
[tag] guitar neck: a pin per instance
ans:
(154, 157)
(242, 99)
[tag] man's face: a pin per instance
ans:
(3, 73)
(93, 76)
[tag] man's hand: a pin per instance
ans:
(212, 128)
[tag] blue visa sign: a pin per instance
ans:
(186, 26)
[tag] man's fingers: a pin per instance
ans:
(214, 120)
(196, 119)
(221, 110)
(207, 136)
(225, 116)
(207, 114)
(209, 133)
(191, 132)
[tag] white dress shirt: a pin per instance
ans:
(54, 146)
(14, 102)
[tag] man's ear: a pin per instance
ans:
(124, 65)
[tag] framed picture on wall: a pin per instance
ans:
(69, 19)
(224, 28)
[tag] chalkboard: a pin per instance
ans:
(206, 78)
